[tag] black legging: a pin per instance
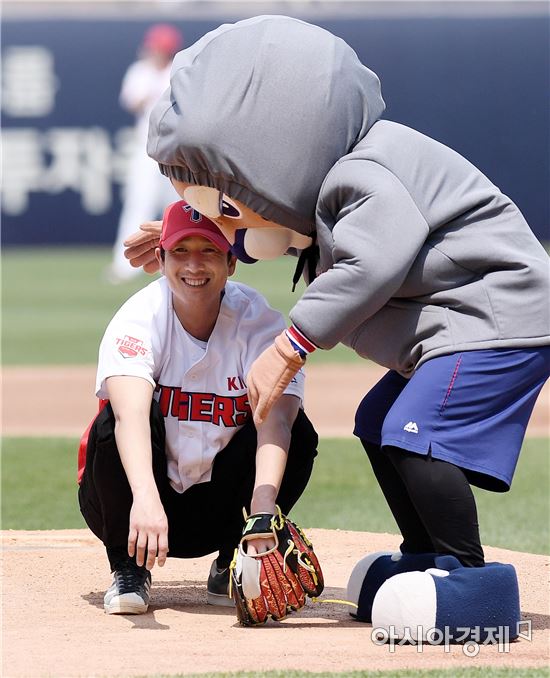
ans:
(205, 518)
(431, 501)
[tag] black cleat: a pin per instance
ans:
(217, 587)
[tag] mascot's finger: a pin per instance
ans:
(265, 409)
(151, 267)
(252, 390)
(142, 237)
(139, 249)
(262, 408)
(152, 227)
(141, 259)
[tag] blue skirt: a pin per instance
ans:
(470, 409)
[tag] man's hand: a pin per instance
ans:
(141, 245)
(148, 535)
(270, 374)
(263, 501)
(257, 546)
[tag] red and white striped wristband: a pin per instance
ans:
(301, 343)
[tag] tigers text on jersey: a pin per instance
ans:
(199, 386)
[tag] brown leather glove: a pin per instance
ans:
(274, 583)
(270, 374)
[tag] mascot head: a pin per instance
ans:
(256, 115)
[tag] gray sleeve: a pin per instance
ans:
(374, 230)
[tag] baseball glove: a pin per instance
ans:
(276, 582)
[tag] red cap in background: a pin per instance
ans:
(163, 38)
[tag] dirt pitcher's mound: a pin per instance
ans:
(54, 624)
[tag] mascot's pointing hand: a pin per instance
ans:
(270, 374)
(140, 246)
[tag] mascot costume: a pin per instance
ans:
(273, 128)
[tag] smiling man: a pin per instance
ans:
(174, 456)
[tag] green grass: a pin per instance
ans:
(56, 304)
(39, 492)
(343, 494)
(484, 672)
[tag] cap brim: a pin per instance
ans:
(218, 240)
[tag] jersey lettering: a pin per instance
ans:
(164, 400)
(180, 404)
(235, 384)
(223, 410)
(201, 406)
(242, 409)
(228, 411)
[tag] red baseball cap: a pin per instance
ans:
(180, 220)
(164, 38)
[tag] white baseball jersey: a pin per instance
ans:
(200, 386)
(143, 84)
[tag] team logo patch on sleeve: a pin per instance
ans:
(130, 347)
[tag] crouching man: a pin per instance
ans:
(174, 456)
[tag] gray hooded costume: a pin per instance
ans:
(420, 254)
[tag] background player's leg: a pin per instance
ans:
(443, 499)
(140, 204)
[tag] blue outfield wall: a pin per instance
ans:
(478, 84)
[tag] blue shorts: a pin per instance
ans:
(470, 409)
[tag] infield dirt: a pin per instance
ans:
(54, 624)
(53, 582)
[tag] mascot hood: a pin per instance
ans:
(261, 110)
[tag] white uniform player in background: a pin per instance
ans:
(146, 191)
(174, 456)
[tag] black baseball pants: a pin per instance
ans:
(205, 518)
(431, 501)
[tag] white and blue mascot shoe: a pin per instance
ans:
(428, 596)
(373, 570)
